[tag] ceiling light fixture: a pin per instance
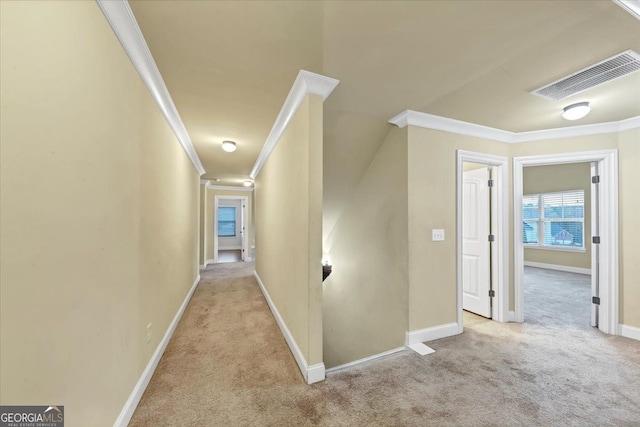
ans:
(247, 183)
(229, 146)
(576, 111)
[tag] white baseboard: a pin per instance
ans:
(629, 331)
(315, 373)
(230, 248)
(312, 374)
(143, 382)
(434, 333)
(558, 267)
(206, 263)
(511, 316)
(365, 360)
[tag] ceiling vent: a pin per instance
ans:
(617, 66)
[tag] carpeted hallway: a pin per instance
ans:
(227, 364)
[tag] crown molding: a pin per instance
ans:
(429, 121)
(125, 27)
(306, 83)
(228, 188)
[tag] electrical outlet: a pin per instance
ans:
(149, 333)
(437, 235)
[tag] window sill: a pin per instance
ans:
(556, 248)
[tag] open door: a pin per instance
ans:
(476, 249)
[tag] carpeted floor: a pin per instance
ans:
(228, 365)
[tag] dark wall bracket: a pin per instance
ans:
(326, 271)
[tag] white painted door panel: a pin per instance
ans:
(475, 243)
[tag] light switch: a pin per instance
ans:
(437, 235)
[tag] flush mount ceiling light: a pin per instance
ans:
(229, 146)
(247, 183)
(576, 111)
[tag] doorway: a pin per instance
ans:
(230, 237)
(476, 239)
(482, 241)
(604, 229)
(557, 244)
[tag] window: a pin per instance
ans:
(226, 221)
(554, 220)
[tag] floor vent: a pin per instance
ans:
(617, 66)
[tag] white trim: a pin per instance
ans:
(511, 316)
(500, 225)
(125, 27)
(365, 360)
(630, 6)
(556, 267)
(315, 373)
(204, 181)
(135, 396)
(582, 130)
(228, 187)
(629, 331)
(608, 213)
(306, 83)
(230, 248)
(434, 333)
(430, 121)
(311, 374)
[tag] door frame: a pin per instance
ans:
(244, 200)
(608, 214)
(499, 225)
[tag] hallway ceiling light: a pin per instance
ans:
(576, 111)
(247, 183)
(229, 146)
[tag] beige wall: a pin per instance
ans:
(553, 178)
(432, 204)
(288, 220)
(629, 200)
(365, 300)
(206, 234)
(110, 242)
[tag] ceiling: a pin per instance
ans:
(229, 67)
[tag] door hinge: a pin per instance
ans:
(596, 239)
(492, 238)
(490, 183)
(595, 179)
(492, 293)
(595, 300)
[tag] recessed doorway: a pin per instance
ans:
(230, 237)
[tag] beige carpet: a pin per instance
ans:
(228, 365)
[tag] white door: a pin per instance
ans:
(475, 242)
(243, 229)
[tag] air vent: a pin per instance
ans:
(617, 66)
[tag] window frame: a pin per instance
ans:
(541, 220)
(235, 223)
